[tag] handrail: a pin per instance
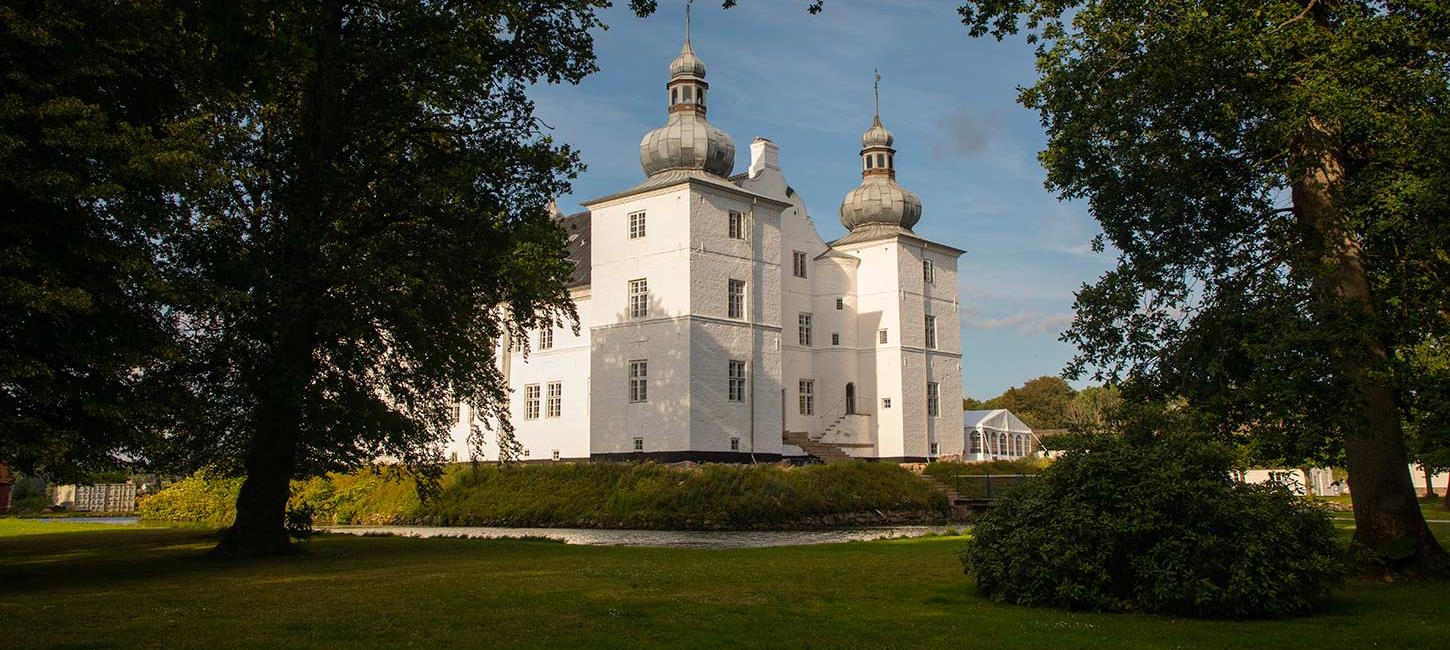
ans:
(981, 484)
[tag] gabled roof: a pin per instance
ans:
(578, 246)
(994, 419)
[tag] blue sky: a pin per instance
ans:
(963, 144)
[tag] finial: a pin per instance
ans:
(878, 94)
(687, 19)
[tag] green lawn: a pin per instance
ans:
(113, 587)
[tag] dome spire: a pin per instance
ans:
(879, 203)
(687, 141)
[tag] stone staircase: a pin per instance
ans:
(824, 452)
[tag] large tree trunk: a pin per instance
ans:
(1386, 511)
(291, 307)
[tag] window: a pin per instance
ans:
(933, 399)
(674, 95)
(869, 161)
(556, 454)
(928, 271)
(835, 338)
(526, 452)
(555, 406)
(636, 225)
(808, 397)
(531, 402)
(735, 299)
(546, 339)
(934, 449)
(881, 337)
(639, 380)
(734, 444)
(886, 402)
(737, 381)
(804, 321)
(799, 266)
(457, 411)
(840, 304)
(880, 160)
(638, 298)
(639, 444)
(931, 332)
(737, 225)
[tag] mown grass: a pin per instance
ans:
(604, 495)
(129, 588)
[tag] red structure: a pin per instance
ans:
(6, 480)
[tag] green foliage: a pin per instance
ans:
(1042, 403)
(201, 498)
(605, 495)
(1155, 526)
(947, 471)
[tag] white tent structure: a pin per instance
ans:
(995, 434)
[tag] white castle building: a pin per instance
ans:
(717, 325)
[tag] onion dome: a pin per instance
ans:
(879, 200)
(687, 141)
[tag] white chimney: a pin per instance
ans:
(764, 154)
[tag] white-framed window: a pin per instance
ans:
(840, 304)
(636, 224)
(886, 402)
(737, 225)
(639, 380)
(804, 322)
(798, 265)
(933, 399)
(531, 402)
(457, 412)
(526, 452)
(546, 339)
(737, 381)
(930, 332)
(735, 299)
(554, 407)
(638, 443)
(935, 450)
(835, 338)
(638, 298)
(928, 271)
(734, 444)
(808, 396)
(556, 454)
(881, 337)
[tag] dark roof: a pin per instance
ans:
(577, 245)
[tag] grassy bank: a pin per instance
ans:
(153, 588)
(605, 495)
(947, 471)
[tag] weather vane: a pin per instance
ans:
(878, 92)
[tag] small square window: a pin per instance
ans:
(835, 338)
(881, 337)
(556, 454)
(639, 444)
(935, 450)
(636, 225)
(886, 402)
(734, 444)
(840, 304)
(799, 263)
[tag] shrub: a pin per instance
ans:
(202, 498)
(1155, 526)
(947, 471)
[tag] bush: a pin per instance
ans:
(1155, 526)
(947, 471)
(201, 497)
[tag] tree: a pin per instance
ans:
(1042, 403)
(93, 145)
(1275, 178)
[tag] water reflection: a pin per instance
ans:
(657, 538)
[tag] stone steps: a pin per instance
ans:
(825, 452)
